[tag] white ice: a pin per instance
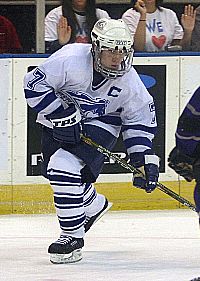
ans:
(122, 246)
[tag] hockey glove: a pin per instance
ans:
(181, 163)
(66, 125)
(149, 167)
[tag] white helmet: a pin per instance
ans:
(114, 35)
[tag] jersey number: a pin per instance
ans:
(38, 77)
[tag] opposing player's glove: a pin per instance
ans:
(66, 125)
(181, 163)
(148, 164)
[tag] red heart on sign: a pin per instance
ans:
(158, 41)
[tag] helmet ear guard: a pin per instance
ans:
(114, 35)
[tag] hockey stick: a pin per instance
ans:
(132, 169)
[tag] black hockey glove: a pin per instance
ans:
(66, 125)
(181, 163)
(148, 164)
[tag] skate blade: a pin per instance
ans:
(75, 256)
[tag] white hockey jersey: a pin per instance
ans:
(122, 103)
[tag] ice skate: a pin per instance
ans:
(89, 221)
(66, 249)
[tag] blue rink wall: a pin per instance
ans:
(171, 79)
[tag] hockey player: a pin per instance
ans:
(93, 90)
(185, 157)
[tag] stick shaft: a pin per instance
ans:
(132, 169)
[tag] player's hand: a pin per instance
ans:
(148, 178)
(181, 163)
(188, 18)
(140, 7)
(66, 125)
(64, 31)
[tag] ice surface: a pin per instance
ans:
(122, 246)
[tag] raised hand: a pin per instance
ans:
(188, 18)
(64, 31)
(140, 7)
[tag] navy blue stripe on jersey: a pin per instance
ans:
(114, 120)
(29, 94)
(151, 130)
(45, 102)
(137, 141)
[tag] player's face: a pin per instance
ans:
(79, 4)
(111, 59)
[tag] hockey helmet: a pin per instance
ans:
(113, 35)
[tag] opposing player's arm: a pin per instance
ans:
(183, 158)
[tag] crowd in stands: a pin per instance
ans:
(154, 27)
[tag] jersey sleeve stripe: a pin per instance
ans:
(137, 141)
(45, 102)
(29, 94)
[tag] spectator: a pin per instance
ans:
(155, 28)
(195, 45)
(9, 40)
(71, 22)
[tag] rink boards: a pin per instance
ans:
(24, 190)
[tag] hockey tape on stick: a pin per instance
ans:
(132, 169)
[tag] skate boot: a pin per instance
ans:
(66, 249)
(89, 221)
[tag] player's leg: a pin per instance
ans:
(65, 179)
(48, 147)
(95, 204)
